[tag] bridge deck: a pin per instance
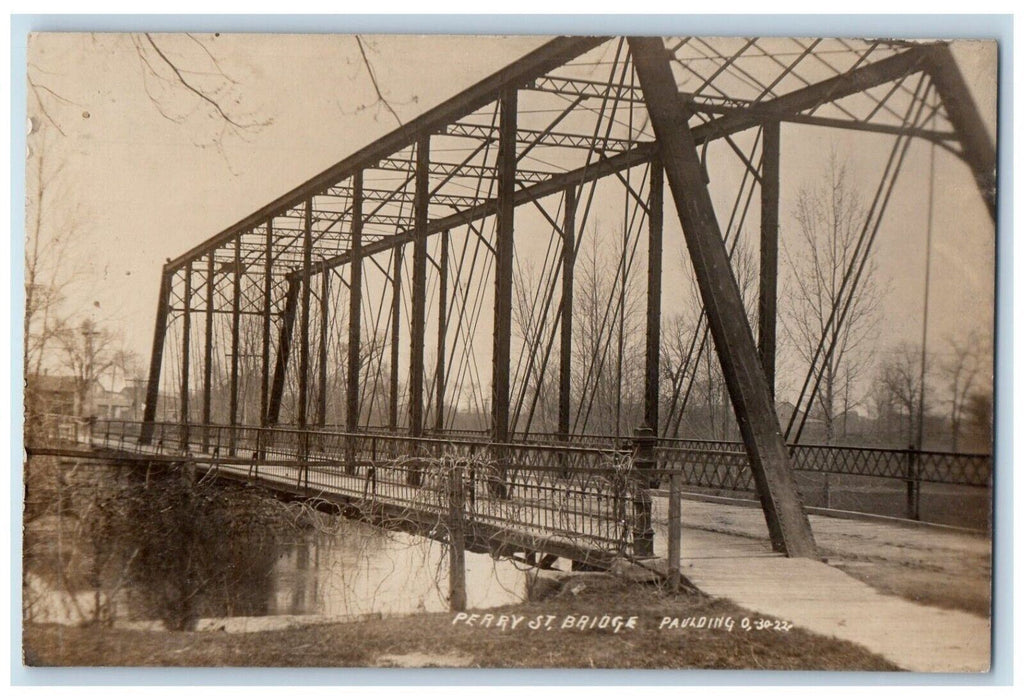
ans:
(587, 516)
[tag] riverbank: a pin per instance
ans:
(654, 629)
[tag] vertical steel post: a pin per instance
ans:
(442, 330)
(186, 353)
(236, 308)
(268, 292)
(321, 406)
(788, 526)
(355, 305)
(565, 322)
(211, 283)
(504, 251)
(644, 460)
(396, 329)
(355, 302)
(283, 351)
(307, 252)
(156, 358)
(419, 288)
(654, 250)
(768, 287)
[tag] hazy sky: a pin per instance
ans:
(139, 187)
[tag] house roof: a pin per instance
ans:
(51, 383)
(112, 398)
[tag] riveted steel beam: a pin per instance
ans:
(321, 403)
(418, 300)
(396, 329)
(355, 301)
(268, 300)
(652, 387)
(504, 248)
(543, 138)
(458, 170)
(755, 109)
(186, 354)
(211, 282)
(767, 300)
(565, 316)
(156, 357)
(236, 308)
(307, 251)
(788, 526)
(442, 331)
(284, 345)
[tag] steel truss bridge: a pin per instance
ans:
(337, 340)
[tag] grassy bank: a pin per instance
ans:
(433, 639)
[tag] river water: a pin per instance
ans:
(346, 570)
(360, 569)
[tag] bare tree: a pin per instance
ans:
(381, 102)
(88, 352)
(126, 365)
(52, 270)
(538, 348)
(181, 75)
(961, 371)
(978, 411)
(200, 76)
(698, 393)
(49, 261)
(897, 391)
(187, 83)
(830, 217)
(608, 350)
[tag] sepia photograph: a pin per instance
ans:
(474, 351)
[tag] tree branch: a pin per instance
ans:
(373, 80)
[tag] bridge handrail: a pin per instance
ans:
(967, 469)
(549, 438)
(970, 469)
(163, 427)
(682, 444)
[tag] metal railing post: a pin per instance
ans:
(644, 460)
(350, 454)
(913, 483)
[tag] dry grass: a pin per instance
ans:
(971, 595)
(432, 640)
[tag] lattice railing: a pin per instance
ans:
(586, 497)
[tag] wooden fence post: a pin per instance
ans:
(456, 540)
(674, 530)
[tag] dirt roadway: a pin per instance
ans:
(934, 566)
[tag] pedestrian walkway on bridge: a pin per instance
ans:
(726, 553)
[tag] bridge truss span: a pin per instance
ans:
(432, 282)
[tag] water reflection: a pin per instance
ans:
(353, 570)
(361, 569)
